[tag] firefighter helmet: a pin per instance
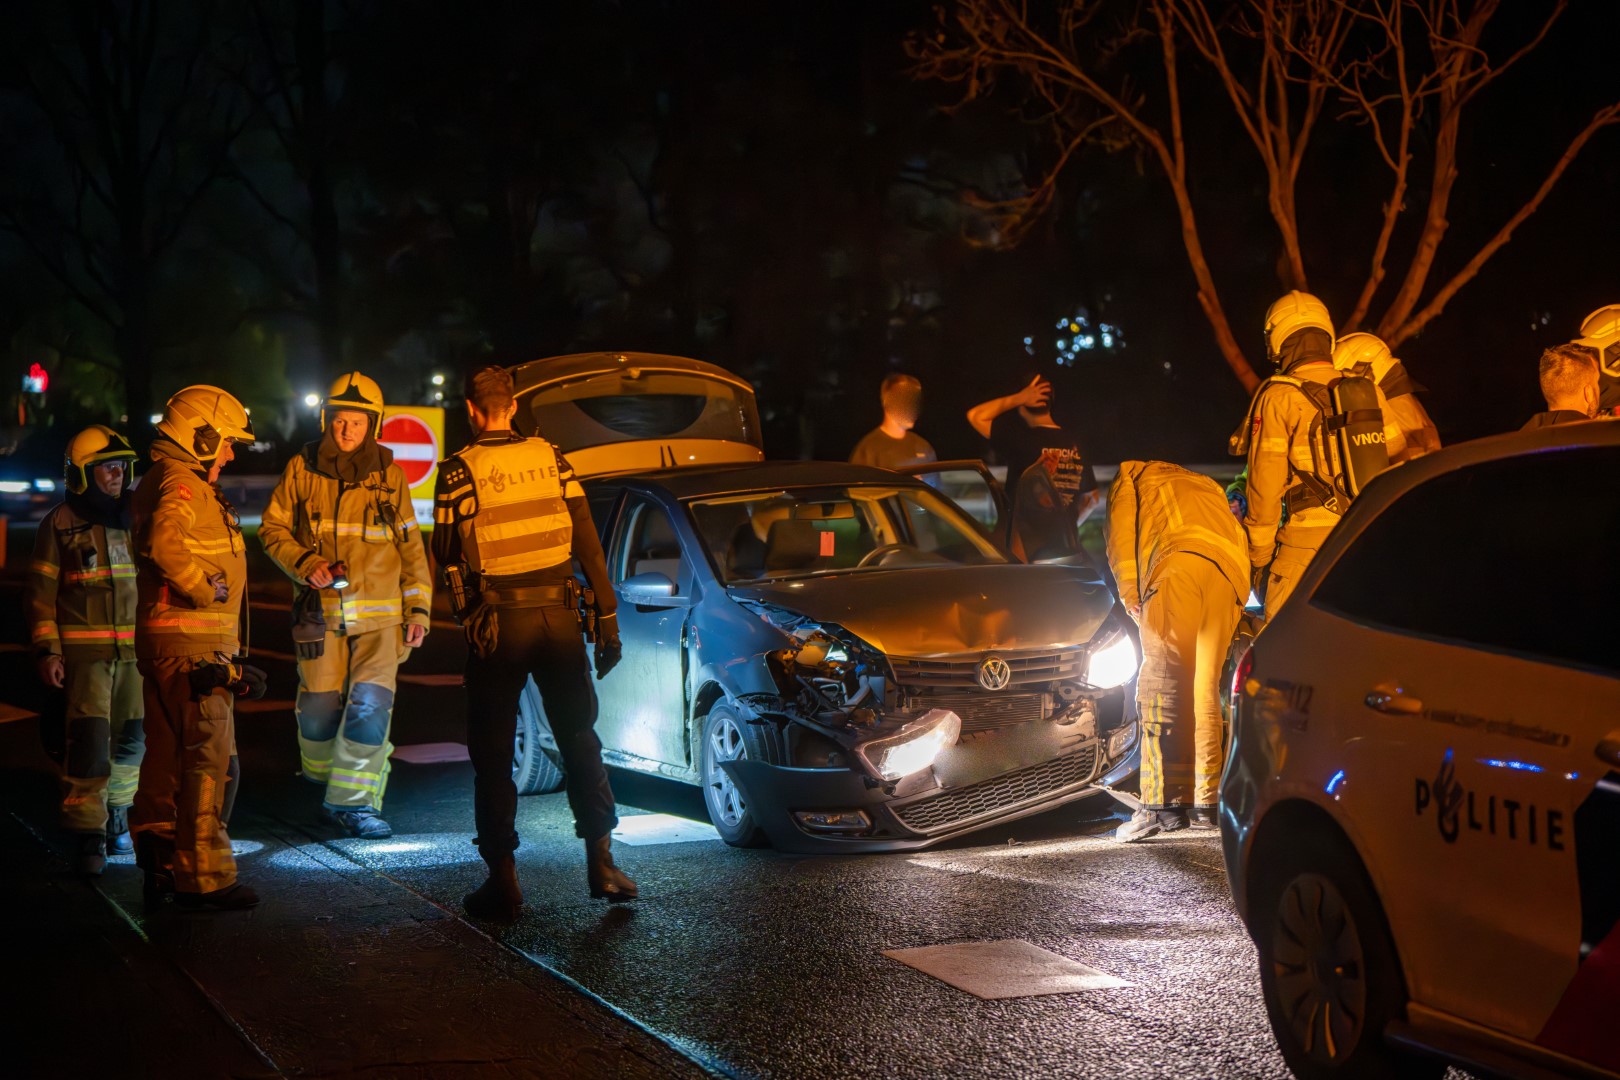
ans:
(95, 445)
(358, 392)
(198, 417)
(1359, 348)
(1600, 331)
(1295, 311)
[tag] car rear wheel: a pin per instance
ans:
(536, 764)
(728, 737)
(1328, 968)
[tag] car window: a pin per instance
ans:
(1517, 554)
(601, 498)
(648, 544)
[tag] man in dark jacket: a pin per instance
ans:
(1569, 382)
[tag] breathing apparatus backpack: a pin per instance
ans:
(1346, 439)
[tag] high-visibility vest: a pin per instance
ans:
(522, 522)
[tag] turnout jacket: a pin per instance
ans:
(81, 589)
(1156, 510)
(185, 533)
(511, 510)
(370, 526)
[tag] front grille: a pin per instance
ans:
(948, 809)
(1046, 665)
(985, 711)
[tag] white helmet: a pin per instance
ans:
(1600, 331)
(1295, 311)
(1364, 348)
(199, 418)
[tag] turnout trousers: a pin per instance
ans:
(544, 642)
(1187, 625)
(105, 741)
(1295, 550)
(178, 819)
(345, 708)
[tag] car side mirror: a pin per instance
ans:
(646, 588)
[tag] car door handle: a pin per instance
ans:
(1608, 748)
(1391, 699)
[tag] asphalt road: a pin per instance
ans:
(747, 963)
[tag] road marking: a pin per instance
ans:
(994, 970)
(431, 753)
(642, 830)
(9, 713)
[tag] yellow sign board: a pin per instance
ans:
(416, 436)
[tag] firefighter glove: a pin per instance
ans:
(308, 626)
(609, 650)
(242, 680)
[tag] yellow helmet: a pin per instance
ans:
(1295, 311)
(1363, 348)
(358, 392)
(198, 417)
(95, 445)
(1601, 331)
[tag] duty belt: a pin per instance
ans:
(565, 594)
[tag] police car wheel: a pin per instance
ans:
(1329, 972)
(536, 764)
(726, 736)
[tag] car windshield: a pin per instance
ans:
(635, 404)
(807, 532)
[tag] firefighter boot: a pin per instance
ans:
(118, 841)
(155, 856)
(360, 822)
(499, 898)
(607, 881)
(90, 855)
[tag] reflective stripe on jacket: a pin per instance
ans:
(522, 521)
(1155, 510)
(370, 526)
(81, 589)
(184, 534)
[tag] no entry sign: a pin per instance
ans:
(416, 436)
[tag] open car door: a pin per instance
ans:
(969, 484)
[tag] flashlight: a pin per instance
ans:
(340, 575)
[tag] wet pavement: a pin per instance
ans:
(735, 962)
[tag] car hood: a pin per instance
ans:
(931, 611)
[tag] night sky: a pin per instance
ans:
(760, 185)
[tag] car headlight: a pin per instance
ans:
(1113, 664)
(915, 748)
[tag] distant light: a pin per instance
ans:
(37, 380)
(438, 380)
(312, 400)
(45, 485)
(1063, 343)
(14, 487)
(157, 418)
(1029, 341)
(438, 395)
(247, 410)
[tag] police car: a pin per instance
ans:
(1421, 809)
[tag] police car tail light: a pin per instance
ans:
(1242, 673)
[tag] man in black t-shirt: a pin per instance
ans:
(1050, 482)
(893, 443)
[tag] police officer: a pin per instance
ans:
(1366, 354)
(1180, 559)
(81, 604)
(1288, 459)
(343, 502)
(191, 573)
(509, 515)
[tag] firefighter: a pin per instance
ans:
(1571, 383)
(191, 566)
(510, 521)
(1600, 332)
(1180, 559)
(1366, 354)
(343, 502)
(81, 604)
(1289, 462)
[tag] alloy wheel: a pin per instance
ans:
(725, 744)
(1320, 969)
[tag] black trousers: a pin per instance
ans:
(544, 642)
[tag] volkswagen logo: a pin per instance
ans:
(994, 673)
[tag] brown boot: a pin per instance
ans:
(608, 882)
(499, 898)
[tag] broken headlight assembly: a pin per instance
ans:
(914, 748)
(1113, 663)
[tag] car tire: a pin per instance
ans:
(536, 763)
(727, 736)
(1314, 908)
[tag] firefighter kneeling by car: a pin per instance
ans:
(1181, 563)
(510, 519)
(343, 507)
(81, 605)
(191, 567)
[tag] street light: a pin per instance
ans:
(312, 400)
(438, 379)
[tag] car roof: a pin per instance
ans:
(697, 481)
(1514, 444)
(554, 369)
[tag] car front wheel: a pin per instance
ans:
(536, 764)
(1328, 968)
(728, 737)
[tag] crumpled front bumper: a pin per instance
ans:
(979, 783)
